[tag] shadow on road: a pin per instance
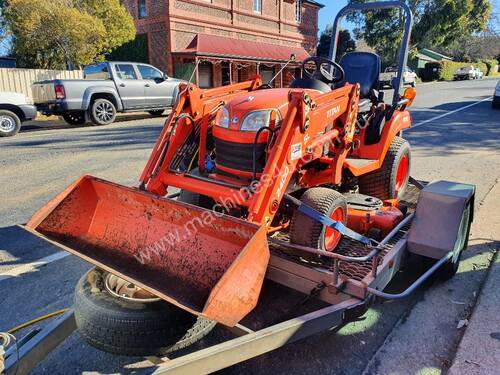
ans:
(134, 138)
(49, 124)
(478, 128)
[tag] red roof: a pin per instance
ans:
(218, 46)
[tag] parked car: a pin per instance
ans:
(386, 78)
(479, 74)
(496, 97)
(107, 88)
(15, 109)
(467, 72)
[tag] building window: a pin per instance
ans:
(205, 75)
(298, 11)
(142, 10)
(257, 6)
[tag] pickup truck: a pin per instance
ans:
(467, 72)
(107, 88)
(15, 109)
(386, 78)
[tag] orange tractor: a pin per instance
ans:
(306, 186)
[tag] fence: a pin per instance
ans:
(20, 80)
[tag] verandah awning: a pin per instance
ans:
(230, 48)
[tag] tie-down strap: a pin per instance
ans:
(325, 220)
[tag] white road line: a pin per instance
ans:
(30, 267)
(448, 113)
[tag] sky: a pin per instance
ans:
(329, 12)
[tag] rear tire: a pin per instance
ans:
(75, 118)
(10, 123)
(391, 180)
(132, 328)
(157, 113)
(102, 112)
(306, 231)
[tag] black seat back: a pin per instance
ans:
(362, 68)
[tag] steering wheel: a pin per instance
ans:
(322, 70)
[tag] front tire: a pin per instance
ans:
(10, 123)
(391, 180)
(306, 231)
(132, 328)
(102, 112)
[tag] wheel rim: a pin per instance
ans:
(123, 289)
(104, 111)
(402, 173)
(7, 123)
(332, 236)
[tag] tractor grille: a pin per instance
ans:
(239, 156)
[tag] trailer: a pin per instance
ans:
(347, 281)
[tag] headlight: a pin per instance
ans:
(256, 120)
(222, 118)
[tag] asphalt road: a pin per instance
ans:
(456, 136)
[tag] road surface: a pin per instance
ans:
(456, 136)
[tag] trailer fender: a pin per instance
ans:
(442, 220)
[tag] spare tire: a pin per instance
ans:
(129, 327)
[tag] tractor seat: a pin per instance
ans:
(362, 68)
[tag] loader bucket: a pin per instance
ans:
(206, 263)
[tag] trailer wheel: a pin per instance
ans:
(102, 112)
(306, 231)
(391, 180)
(126, 327)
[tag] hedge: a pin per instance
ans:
(444, 70)
(492, 67)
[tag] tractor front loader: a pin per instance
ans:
(306, 186)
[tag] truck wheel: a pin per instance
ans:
(10, 123)
(132, 326)
(157, 113)
(306, 231)
(391, 180)
(102, 112)
(75, 118)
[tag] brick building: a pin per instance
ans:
(231, 40)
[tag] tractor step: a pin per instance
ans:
(361, 166)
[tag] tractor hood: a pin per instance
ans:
(272, 99)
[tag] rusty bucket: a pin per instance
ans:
(206, 263)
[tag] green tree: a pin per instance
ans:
(437, 23)
(55, 34)
(346, 43)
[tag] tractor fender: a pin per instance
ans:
(398, 122)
